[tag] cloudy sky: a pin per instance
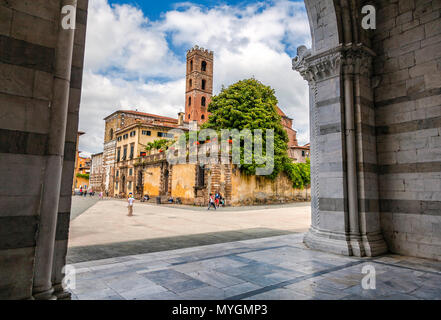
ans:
(135, 55)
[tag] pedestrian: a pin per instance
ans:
(85, 192)
(211, 202)
(216, 199)
(101, 195)
(107, 193)
(81, 191)
(130, 201)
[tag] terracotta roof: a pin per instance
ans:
(138, 113)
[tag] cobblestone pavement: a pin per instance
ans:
(105, 230)
(278, 267)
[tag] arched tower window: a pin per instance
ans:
(204, 82)
(203, 101)
(191, 83)
(111, 134)
(204, 66)
(189, 101)
(202, 117)
(191, 65)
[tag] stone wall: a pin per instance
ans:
(408, 124)
(251, 190)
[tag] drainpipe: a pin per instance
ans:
(44, 251)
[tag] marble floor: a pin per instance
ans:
(270, 268)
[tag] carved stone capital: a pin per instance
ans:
(341, 60)
(318, 67)
(358, 60)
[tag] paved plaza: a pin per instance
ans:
(278, 267)
(105, 231)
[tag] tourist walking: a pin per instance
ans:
(101, 195)
(216, 199)
(211, 202)
(130, 201)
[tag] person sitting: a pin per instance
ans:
(145, 198)
(170, 200)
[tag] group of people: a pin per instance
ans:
(84, 192)
(215, 201)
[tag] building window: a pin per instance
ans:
(126, 136)
(118, 157)
(188, 116)
(303, 153)
(130, 171)
(124, 153)
(146, 132)
(117, 173)
(133, 133)
(119, 138)
(116, 185)
(189, 101)
(204, 82)
(191, 65)
(203, 101)
(111, 134)
(191, 83)
(202, 117)
(132, 150)
(204, 66)
(130, 185)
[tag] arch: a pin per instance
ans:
(111, 134)
(203, 101)
(203, 117)
(204, 66)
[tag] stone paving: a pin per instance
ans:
(105, 231)
(271, 268)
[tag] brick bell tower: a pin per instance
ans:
(199, 84)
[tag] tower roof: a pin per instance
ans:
(201, 51)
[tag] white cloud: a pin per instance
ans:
(125, 53)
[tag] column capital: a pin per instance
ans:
(350, 59)
(315, 68)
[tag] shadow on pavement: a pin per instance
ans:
(120, 249)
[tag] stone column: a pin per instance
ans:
(339, 149)
(42, 285)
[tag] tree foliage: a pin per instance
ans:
(159, 144)
(249, 104)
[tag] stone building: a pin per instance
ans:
(97, 172)
(131, 144)
(375, 104)
(114, 122)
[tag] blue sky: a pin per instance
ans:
(135, 55)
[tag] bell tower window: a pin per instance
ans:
(203, 101)
(189, 101)
(191, 65)
(204, 82)
(204, 66)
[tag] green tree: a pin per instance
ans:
(249, 104)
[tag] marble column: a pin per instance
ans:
(340, 222)
(42, 284)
